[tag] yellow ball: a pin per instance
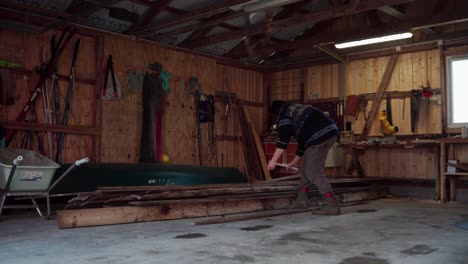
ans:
(165, 158)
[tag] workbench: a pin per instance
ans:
(445, 143)
(356, 150)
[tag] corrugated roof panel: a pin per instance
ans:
(217, 30)
(292, 32)
(317, 5)
(253, 60)
(220, 48)
(57, 5)
(175, 40)
(192, 4)
(101, 19)
(133, 6)
(181, 25)
(163, 16)
(238, 21)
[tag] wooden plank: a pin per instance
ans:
(258, 146)
(260, 215)
(379, 95)
(135, 214)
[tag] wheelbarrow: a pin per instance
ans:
(25, 173)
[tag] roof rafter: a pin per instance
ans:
(454, 16)
(352, 8)
(152, 11)
(204, 12)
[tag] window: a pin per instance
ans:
(457, 91)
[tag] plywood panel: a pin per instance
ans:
(322, 81)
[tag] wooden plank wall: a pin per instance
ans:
(318, 82)
(364, 76)
(287, 85)
(27, 49)
(121, 119)
(247, 86)
(412, 70)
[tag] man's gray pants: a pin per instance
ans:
(313, 166)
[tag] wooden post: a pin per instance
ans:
(443, 90)
(453, 188)
(97, 105)
(267, 81)
(443, 152)
(379, 95)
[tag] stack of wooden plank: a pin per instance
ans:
(119, 205)
(254, 154)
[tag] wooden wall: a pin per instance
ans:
(316, 82)
(28, 50)
(411, 71)
(120, 120)
(364, 76)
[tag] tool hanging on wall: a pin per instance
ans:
(415, 101)
(195, 90)
(112, 89)
(386, 128)
(38, 88)
(7, 88)
(28, 136)
(165, 80)
(182, 93)
(363, 102)
(134, 81)
(388, 109)
(154, 106)
(55, 85)
(66, 110)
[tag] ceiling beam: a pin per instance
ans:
(352, 8)
(206, 24)
(219, 7)
(332, 53)
(241, 50)
(454, 16)
(292, 9)
(391, 11)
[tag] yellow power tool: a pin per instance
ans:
(385, 127)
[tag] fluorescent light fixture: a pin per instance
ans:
(374, 40)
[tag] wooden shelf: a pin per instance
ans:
(81, 130)
(456, 173)
(454, 140)
(61, 77)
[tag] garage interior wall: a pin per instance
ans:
(363, 77)
(117, 124)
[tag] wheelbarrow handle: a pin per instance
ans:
(81, 161)
(18, 160)
(73, 166)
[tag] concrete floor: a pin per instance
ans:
(384, 231)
